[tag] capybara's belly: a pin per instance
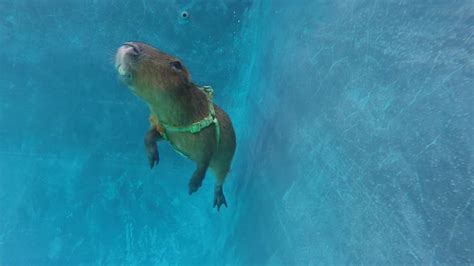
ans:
(196, 146)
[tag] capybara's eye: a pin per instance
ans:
(176, 65)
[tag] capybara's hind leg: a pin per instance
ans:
(151, 148)
(219, 198)
(196, 180)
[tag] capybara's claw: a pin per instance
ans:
(153, 157)
(194, 185)
(219, 198)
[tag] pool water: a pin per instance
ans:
(354, 124)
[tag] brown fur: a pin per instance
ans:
(174, 100)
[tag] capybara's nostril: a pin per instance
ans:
(135, 48)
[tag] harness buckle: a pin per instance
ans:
(195, 128)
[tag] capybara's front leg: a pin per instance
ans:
(196, 180)
(151, 148)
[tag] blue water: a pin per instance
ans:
(354, 121)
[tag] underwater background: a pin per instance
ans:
(354, 121)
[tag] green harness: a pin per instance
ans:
(196, 127)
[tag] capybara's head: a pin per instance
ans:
(148, 71)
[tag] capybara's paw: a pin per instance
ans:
(153, 156)
(219, 198)
(194, 185)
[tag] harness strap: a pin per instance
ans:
(195, 127)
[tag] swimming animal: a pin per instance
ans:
(181, 113)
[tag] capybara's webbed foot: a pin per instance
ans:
(151, 148)
(219, 197)
(196, 180)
